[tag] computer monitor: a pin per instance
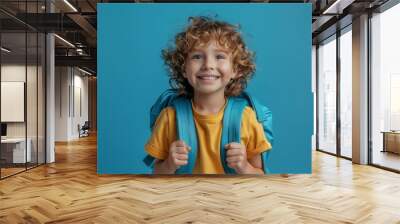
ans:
(3, 129)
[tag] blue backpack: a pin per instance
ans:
(186, 129)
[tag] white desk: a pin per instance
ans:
(18, 150)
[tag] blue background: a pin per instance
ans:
(131, 75)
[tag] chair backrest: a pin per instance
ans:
(86, 125)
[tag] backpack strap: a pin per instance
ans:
(149, 161)
(186, 131)
(264, 116)
(163, 101)
(231, 128)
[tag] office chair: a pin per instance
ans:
(84, 130)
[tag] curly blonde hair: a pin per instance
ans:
(200, 31)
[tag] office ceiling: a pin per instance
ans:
(76, 22)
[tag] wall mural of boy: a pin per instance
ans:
(209, 108)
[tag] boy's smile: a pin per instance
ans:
(209, 68)
(208, 76)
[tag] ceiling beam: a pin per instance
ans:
(86, 26)
(84, 61)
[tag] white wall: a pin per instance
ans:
(80, 103)
(13, 73)
(71, 102)
(62, 81)
(12, 101)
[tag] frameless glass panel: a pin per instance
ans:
(14, 153)
(41, 98)
(346, 93)
(31, 101)
(385, 101)
(31, 84)
(327, 96)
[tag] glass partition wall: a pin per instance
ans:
(22, 88)
(334, 86)
(13, 91)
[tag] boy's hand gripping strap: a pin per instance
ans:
(231, 128)
(186, 131)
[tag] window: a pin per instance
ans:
(346, 92)
(385, 88)
(327, 95)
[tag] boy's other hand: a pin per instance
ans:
(178, 154)
(236, 156)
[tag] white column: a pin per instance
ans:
(360, 90)
(50, 110)
(50, 98)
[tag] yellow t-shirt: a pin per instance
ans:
(209, 129)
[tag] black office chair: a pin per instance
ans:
(84, 130)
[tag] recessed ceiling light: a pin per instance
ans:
(5, 50)
(64, 40)
(337, 7)
(84, 71)
(71, 6)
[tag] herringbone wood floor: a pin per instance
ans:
(70, 191)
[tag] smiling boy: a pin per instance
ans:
(209, 63)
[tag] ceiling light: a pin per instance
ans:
(65, 41)
(84, 71)
(338, 6)
(5, 50)
(71, 6)
(329, 9)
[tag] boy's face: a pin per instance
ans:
(209, 68)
